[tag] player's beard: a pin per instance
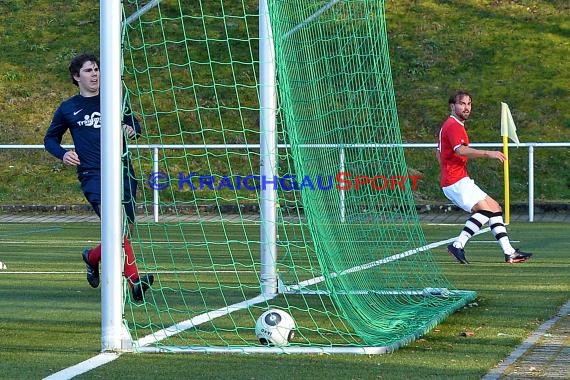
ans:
(464, 116)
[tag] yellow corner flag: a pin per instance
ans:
(508, 131)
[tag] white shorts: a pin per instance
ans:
(464, 193)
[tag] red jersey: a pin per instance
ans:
(453, 166)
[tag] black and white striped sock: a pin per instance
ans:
(472, 226)
(500, 232)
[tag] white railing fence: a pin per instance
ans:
(157, 147)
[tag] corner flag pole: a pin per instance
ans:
(508, 131)
(506, 175)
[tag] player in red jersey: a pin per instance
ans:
(453, 152)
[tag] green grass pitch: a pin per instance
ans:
(50, 317)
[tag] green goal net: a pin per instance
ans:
(272, 176)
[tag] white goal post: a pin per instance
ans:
(111, 204)
(114, 334)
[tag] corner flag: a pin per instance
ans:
(508, 127)
(508, 131)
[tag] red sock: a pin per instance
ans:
(130, 270)
(94, 256)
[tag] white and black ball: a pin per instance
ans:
(275, 328)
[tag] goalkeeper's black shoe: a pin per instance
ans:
(458, 253)
(92, 270)
(141, 286)
(517, 257)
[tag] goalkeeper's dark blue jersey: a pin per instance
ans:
(81, 116)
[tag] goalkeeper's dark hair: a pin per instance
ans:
(78, 61)
(459, 94)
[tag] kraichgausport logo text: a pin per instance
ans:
(342, 181)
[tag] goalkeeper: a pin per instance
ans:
(80, 114)
(453, 152)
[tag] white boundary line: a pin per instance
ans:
(172, 330)
(496, 373)
(7, 272)
(372, 264)
(197, 320)
(84, 366)
(140, 344)
(105, 358)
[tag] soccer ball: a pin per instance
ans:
(275, 328)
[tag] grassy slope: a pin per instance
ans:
(512, 51)
(38, 39)
(502, 51)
